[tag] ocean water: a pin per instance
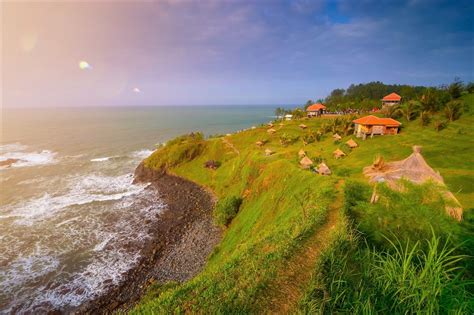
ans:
(71, 221)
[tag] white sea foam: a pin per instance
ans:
(102, 222)
(142, 154)
(88, 189)
(106, 158)
(25, 158)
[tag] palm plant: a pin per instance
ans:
(425, 117)
(346, 126)
(409, 109)
(453, 109)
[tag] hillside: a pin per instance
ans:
(291, 221)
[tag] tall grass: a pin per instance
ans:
(403, 279)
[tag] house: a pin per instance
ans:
(316, 110)
(373, 125)
(391, 99)
(288, 117)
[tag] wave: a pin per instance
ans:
(100, 222)
(142, 154)
(86, 189)
(19, 156)
(106, 158)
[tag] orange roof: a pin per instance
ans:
(317, 106)
(374, 120)
(392, 97)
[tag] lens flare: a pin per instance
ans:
(137, 90)
(84, 65)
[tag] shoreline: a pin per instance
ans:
(181, 241)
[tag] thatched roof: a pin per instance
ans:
(337, 137)
(303, 126)
(260, 143)
(415, 169)
(338, 153)
(268, 152)
(306, 162)
(352, 144)
(301, 153)
(270, 124)
(271, 130)
(323, 169)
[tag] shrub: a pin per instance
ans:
(309, 137)
(439, 125)
(226, 209)
(286, 139)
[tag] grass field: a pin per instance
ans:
(284, 206)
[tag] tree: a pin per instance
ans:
(280, 112)
(298, 113)
(453, 109)
(425, 118)
(455, 89)
(409, 109)
(429, 101)
(470, 87)
(391, 111)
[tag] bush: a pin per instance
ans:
(286, 139)
(226, 209)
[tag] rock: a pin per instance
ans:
(8, 162)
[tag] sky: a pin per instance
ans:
(222, 52)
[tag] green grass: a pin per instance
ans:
(283, 204)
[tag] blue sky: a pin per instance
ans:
(227, 52)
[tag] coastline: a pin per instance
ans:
(182, 239)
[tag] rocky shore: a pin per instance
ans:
(182, 239)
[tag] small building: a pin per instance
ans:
(391, 99)
(373, 125)
(316, 110)
(288, 117)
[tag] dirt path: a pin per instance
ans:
(230, 146)
(294, 277)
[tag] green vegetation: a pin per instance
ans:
(226, 209)
(403, 254)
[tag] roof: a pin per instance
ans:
(315, 107)
(392, 97)
(374, 120)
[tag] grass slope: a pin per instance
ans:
(284, 205)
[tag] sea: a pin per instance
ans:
(71, 221)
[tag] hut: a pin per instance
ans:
(260, 143)
(301, 153)
(372, 125)
(336, 137)
(306, 162)
(212, 164)
(315, 110)
(415, 169)
(270, 124)
(268, 152)
(323, 169)
(288, 117)
(338, 154)
(271, 131)
(391, 99)
(352, 144)
(303, 126)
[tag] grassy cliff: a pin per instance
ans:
(290, 221)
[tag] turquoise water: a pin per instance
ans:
(71, 222)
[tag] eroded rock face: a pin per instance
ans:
(8, 162)
(146, 175)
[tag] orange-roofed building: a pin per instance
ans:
(373, 125)
(316, 110)
(391, 99)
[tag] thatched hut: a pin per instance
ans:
(336, 137)
(303, 126)
(271, 131)
(323, 169)
(268, 152)
(415, 169)
(352, 144)
(270, 124)
(260, 143)
(301, 153)
(338, 154)
(306, 162)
